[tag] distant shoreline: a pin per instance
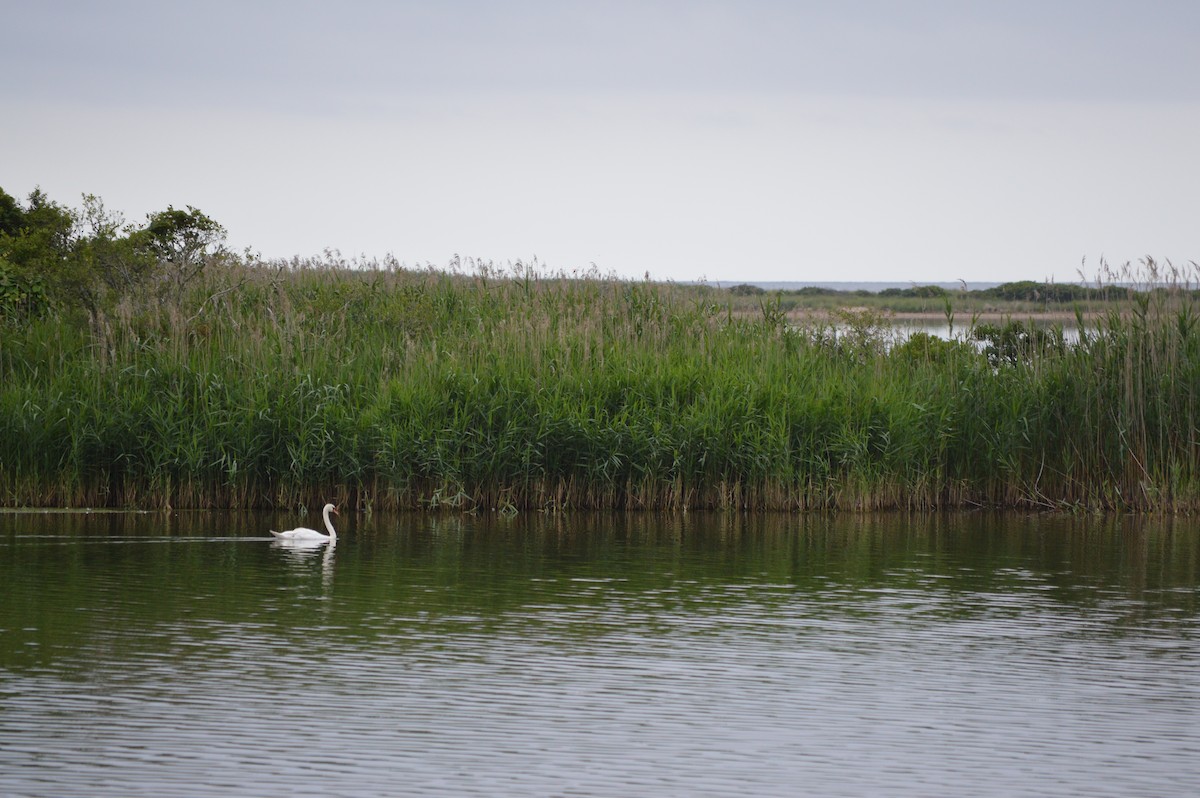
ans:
(931, 316)
(874, 286)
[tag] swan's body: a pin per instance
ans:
(304, 533)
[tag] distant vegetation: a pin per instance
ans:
(145, 365)
(1022, 291)
(1020, 297)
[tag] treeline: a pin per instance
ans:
(1024, 291)
(239, 383)
(72, 262)
(1019, 291)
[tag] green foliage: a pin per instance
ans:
(919, 291)
(22, 296)
(183, 240)
(1015, 296)
(38, 243)
(64, 260)
(1018, 342)
(12, 216)
(108, 252)
(419, 389)
(39, 236)
(290, 383)
(814, 290)
(923, 348)
(1054, 293)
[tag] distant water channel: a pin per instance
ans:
(903, 329)
(146, 655)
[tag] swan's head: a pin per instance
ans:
(329, 508)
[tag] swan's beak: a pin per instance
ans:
(335, 511)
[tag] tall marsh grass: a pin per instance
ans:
(480, 388)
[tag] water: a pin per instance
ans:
(189, 656)
(903, 329)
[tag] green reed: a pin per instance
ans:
(507, 389)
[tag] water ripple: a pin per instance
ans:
(257, 671)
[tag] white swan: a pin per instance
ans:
(304, 533)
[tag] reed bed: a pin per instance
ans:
(477, 388)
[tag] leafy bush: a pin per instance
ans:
(1018, 342)
(921, 347)
(21, 296)
(918, 292)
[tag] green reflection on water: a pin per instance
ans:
(80, 588)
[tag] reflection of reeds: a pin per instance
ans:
(510, 389)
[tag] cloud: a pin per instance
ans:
(354, 54)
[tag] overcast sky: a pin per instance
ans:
(850, 140)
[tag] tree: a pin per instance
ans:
(108, 250)
(12, 218)
(41, 231)
(37, 245)
(54, 257)
(185, 240)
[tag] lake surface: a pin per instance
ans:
(186, 655)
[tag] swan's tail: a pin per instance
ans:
(276, 534)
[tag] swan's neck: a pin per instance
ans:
(329, 524)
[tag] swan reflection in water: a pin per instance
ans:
(302, 552)
(303, 549)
